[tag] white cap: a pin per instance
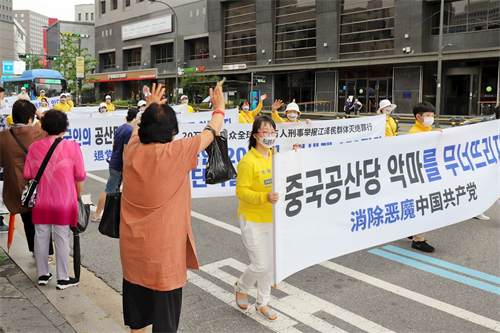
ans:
(42, 91)
(102, 105)
(141, 103)
(107, 97)
(63, 94)
(183, 96)
(292, 106)
(385, 103)
(23, 88)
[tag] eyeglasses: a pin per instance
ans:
(267, 133)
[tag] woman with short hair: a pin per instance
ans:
(60, 187)
(247, 116)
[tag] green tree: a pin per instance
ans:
(197, 85)
(66, 61)
(34, 61)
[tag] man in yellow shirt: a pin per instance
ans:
(424, 115)
(110, 106)
(185, 100)
(69, 100)
(247, 116)
(292, 112)
(62, 105)
(42, 94)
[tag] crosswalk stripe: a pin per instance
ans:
(298, 304)
(428, 301)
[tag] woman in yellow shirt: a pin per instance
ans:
(386, 107)
(292, 112)
(247, 116)
(255, 211)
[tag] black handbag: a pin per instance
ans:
(110, 220)
(219, 167)
(28, 197)
(84, 217)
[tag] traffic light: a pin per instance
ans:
(24, 56)
(52, 58)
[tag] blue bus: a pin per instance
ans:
(35, 80)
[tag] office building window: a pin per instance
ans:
(91, 16)
(115, 4)
(86, 16)
(198, 49)
(79, 16)
(163, 53)
(103, 7)
(108, 60)
(366, 26)
(466, 16)
(295, 30)
(239, 33)
(127, 3)
(133, 57)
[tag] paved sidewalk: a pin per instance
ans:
(26, 307)
(23, 307)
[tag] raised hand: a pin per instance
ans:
(217, 98)
(155, 95)
(277, 104)
(263, 97)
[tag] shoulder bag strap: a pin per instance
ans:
(46, 159)
(17, 140)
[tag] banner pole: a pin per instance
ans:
(274, 153)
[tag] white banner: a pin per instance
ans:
(9, 101)
(341, 199)
(314, 135)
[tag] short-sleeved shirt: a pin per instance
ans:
(62, 107)
(56, 200)
(156, 241)
(122, 136)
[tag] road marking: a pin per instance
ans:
(445, 264)
(298, 304)
(102, 180)
(217, 223)
(425, 300)
(437, 271)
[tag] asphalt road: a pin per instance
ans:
(365, 291)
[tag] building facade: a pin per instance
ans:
(33, 24)
(310, 50)
(7, 48)
(84, 13)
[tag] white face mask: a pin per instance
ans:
(44, 103)
(108, 101)
(246, 108)
(142, 108)
(103, 110)
(388, 110)
(63, 100)
(428, 121)
(292, 116)
(267, 141)
(185, 101)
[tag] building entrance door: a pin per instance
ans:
(460, 92)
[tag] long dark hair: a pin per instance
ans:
(158, 124)
(257, 123)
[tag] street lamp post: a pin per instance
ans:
(440, 61)
(176, 27)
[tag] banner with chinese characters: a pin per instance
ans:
(341, 199)
(9, 101)
(325, 133)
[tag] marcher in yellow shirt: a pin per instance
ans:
(292, 112)
(42, 94)
(62, 105)
(254, 189)
(386, 107)
(69, 100)
(185, 100)
(110, 106)
(44, 106)
(247, 116)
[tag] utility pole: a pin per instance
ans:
(251, 91)
(78, 89)
(440, 60)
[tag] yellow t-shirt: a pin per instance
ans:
(110, 107)
(277, 119)
(419, 128)
(254, 181)
(70, 103)
(190, 109)
(390, 127)
(250, 116)
(62, 107)
(9, 120)
(40, 97)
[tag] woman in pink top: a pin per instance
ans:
(57, 195)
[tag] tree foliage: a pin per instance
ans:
(34, 61)
(66, 61)
(192, 85)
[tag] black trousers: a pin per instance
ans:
(29, 230)
(143, 306)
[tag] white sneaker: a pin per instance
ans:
(482, 217)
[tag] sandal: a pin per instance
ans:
(97, 219)
(270, 313)
(242, 303)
